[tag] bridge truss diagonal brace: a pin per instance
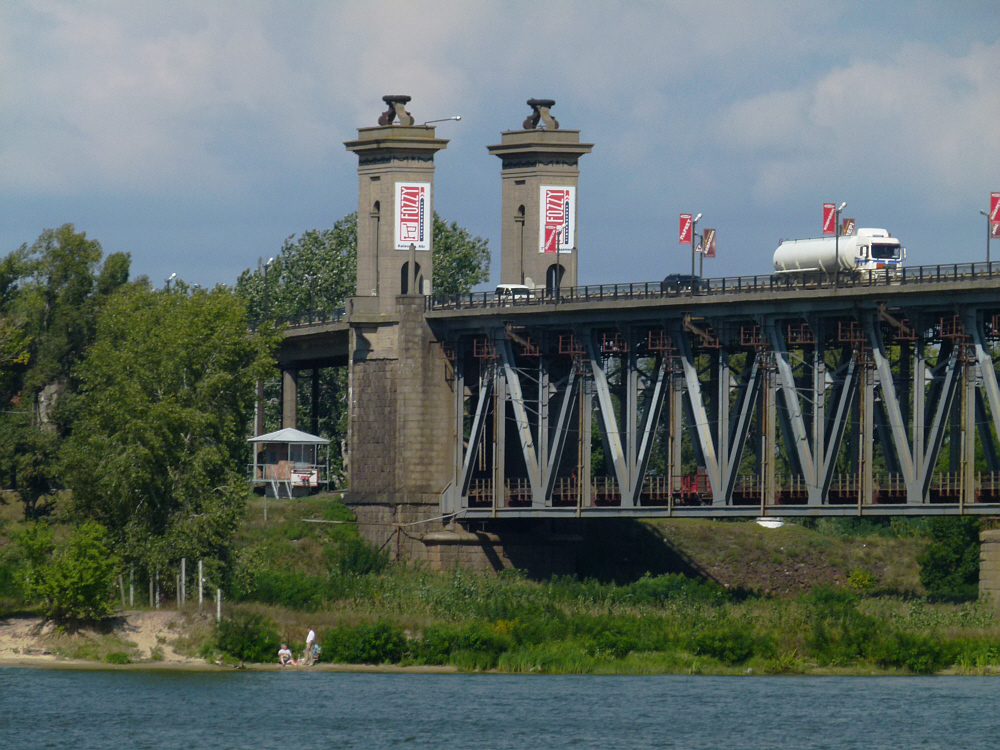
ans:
(559, 438)
(838, 425)
(745, 403)
(949, 384)
(609, 425)
(800, 436)
(986, 368)
(522, 421)
(648, 429)
(476, 435)
(702, 427)
(890, 401)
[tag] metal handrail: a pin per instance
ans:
(726, 285)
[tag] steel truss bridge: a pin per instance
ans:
(742, 399)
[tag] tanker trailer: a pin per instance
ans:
(872, 250)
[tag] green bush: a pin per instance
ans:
(614, 644)
(118, 657)
(729, 642)
(76, 581)
(380, 642)
(949, 565)
(474, 645)
(287, 588)
(355, 556)
(248, 637)
(921, 654)
(659, 589)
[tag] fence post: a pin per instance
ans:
(182, 592)
(121, 588)
(131, 587)
(201, 583)
(218, 604)
(157, 589)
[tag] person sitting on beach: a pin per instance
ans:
(285, 656)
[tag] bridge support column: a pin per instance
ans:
(989, 566)
(289, 398)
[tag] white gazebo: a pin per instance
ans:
(290, 460)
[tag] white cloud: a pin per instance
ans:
(923, 123)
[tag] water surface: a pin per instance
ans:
(42, 708)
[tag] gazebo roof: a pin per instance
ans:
(289, 435)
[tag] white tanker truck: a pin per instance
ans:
(867, 250)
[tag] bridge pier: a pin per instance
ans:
(289, 398)
(989, 566)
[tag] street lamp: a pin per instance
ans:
(989, 233)
(266, 266)
(170, 278)
(443, 119)
(312, 295)
(836, 240)
(559, 231)
(694, 235)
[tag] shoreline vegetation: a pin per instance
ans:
(821, 602)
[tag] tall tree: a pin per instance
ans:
(319, 270)
(460, 260)
(315, 272)
(50, 296)
(158, 451)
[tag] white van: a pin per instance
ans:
(512, 294)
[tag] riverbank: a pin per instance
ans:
(149, 638)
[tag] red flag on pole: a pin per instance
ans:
(709, 243)
(829, 218)
(994, 207)
(684, 235)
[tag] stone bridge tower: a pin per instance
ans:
(538, 204)
(401, 407)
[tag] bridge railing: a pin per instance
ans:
(304, 320)
(725, 285)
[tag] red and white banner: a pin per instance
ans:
(708, 244)
(846, 227)
(413, 226)
(995, 207)
(829, 218)
(684, 231)
(995, 229)
(557, 207)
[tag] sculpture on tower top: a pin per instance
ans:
(540, 112)
(397, 108)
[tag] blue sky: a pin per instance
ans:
(198, 135)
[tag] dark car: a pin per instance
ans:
(676, 282)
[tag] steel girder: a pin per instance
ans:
(877, 387)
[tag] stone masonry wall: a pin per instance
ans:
(425, 417)
(989, 566)
(373, 415)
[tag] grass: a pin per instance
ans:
(89, 645)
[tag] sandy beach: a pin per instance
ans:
(32, 642)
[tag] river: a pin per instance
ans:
(54, 708)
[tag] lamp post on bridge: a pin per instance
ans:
(266, 266)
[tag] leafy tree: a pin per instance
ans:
(460, 260)
(318, 271)
(50, 296)
(158, 449)
(328, 258)
(315, 272)
(949, 564)
(75, 581)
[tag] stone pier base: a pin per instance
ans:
(989, 566)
